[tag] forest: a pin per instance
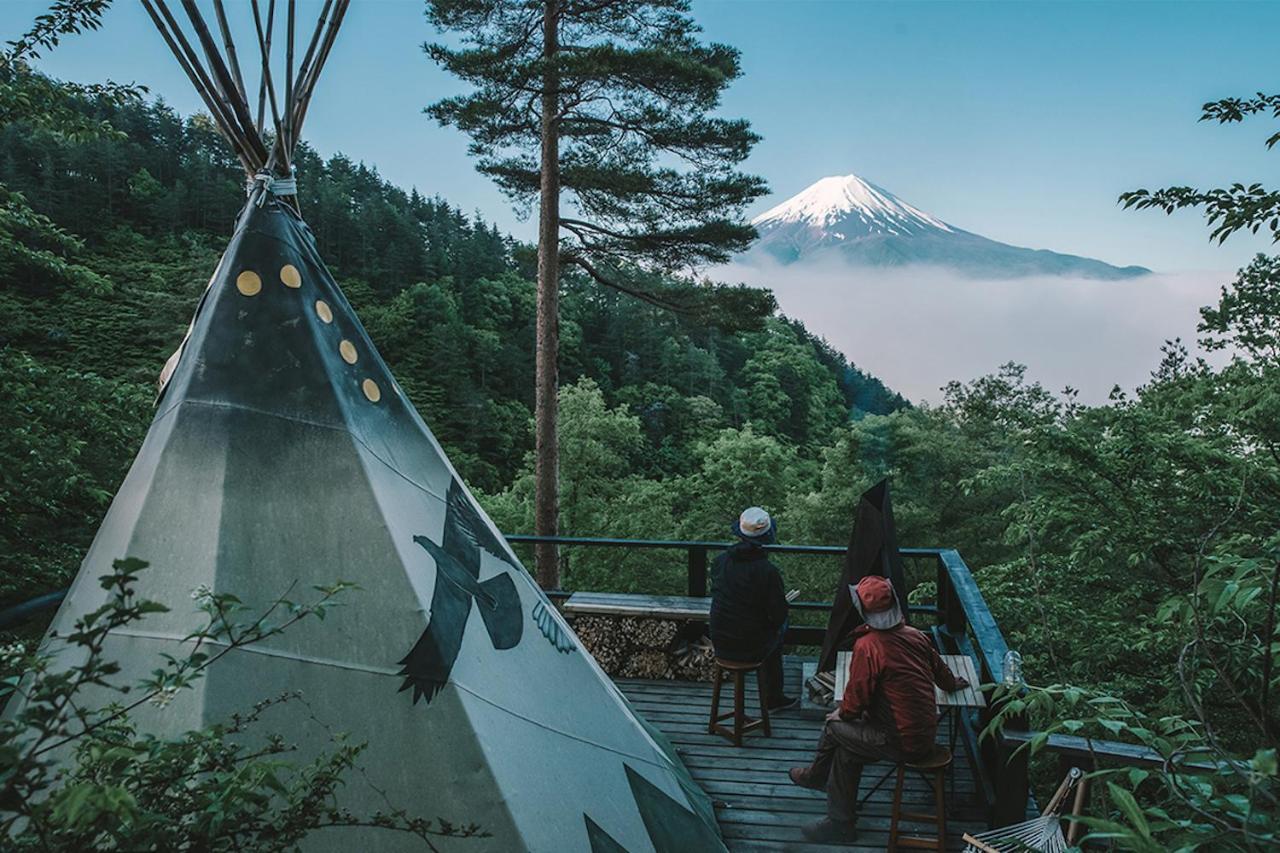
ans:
(446, 297)
(1130, 550)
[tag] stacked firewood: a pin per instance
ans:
(822, 688)
(643, 647)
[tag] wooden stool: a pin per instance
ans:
(933, 768)
(741, 722)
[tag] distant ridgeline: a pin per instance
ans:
(447, 297)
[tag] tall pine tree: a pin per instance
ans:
(601, 111)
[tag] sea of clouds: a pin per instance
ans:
(917, 328)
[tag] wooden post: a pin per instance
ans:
(697, 571)
(945, 600)
(951, 613)
(1011, 783)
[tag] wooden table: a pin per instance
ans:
(960, 665)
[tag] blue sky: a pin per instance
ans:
(1021, 121)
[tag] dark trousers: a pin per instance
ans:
(843, 749)
(770, 657)
(771, 676)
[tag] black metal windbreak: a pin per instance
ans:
(873, 550)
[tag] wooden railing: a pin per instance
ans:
(697, 560)
(963, 624)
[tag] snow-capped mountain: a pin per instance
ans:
(847, 217)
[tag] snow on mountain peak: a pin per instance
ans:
(844, 198)
(848, 218)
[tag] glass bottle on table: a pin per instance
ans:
(1013, 669)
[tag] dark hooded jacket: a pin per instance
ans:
(748, 604)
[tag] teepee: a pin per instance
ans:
(283, 454)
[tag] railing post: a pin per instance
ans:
(1011, 782)
(950, 607)
(698, 571)
(944, 591)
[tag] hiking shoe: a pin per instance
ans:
(830, 830)
(803, 777)
(784, 703)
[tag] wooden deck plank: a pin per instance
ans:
(757, 806)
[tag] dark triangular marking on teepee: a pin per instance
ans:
(601, 841)
(672, 827)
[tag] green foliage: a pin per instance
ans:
(66, 441)
(444, 296)
(34, 249)
(1199, 797)
(64, 18)
(76, 774)
(31, 245)
(54, 105)
(1167, 505)
(1247, 319)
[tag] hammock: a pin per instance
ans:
(1042, 834)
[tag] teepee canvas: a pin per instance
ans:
(283, 455)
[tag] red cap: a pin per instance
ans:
(876, 594)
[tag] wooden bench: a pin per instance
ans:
(674, 607)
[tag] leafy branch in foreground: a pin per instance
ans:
(28, 95)
(1235, 208)
(76, 774)
(1204, 793)
(1199, 797)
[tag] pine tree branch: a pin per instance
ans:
(600, 278)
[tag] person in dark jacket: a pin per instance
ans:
(748, 605)
(887, 712)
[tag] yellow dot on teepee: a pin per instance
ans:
(348, 352)
(290, 277)
(248, 283)
(323, 311)
(371, 390)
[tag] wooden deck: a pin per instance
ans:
(758, 807)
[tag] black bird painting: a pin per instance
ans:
(457, 558)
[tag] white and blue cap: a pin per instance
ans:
(754, 525)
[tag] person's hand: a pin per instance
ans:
(834, 716)
(961, 683)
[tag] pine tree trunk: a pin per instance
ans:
(546, 449)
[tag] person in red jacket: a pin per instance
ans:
(887, 712)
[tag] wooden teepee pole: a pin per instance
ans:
(216, 73)
(305, 67)
(265, 49)
(226, 86)
(286, 149)
(231, 48)
(331, 34)
(266, 58)
(190, 64)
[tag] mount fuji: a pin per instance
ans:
(847, 217)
